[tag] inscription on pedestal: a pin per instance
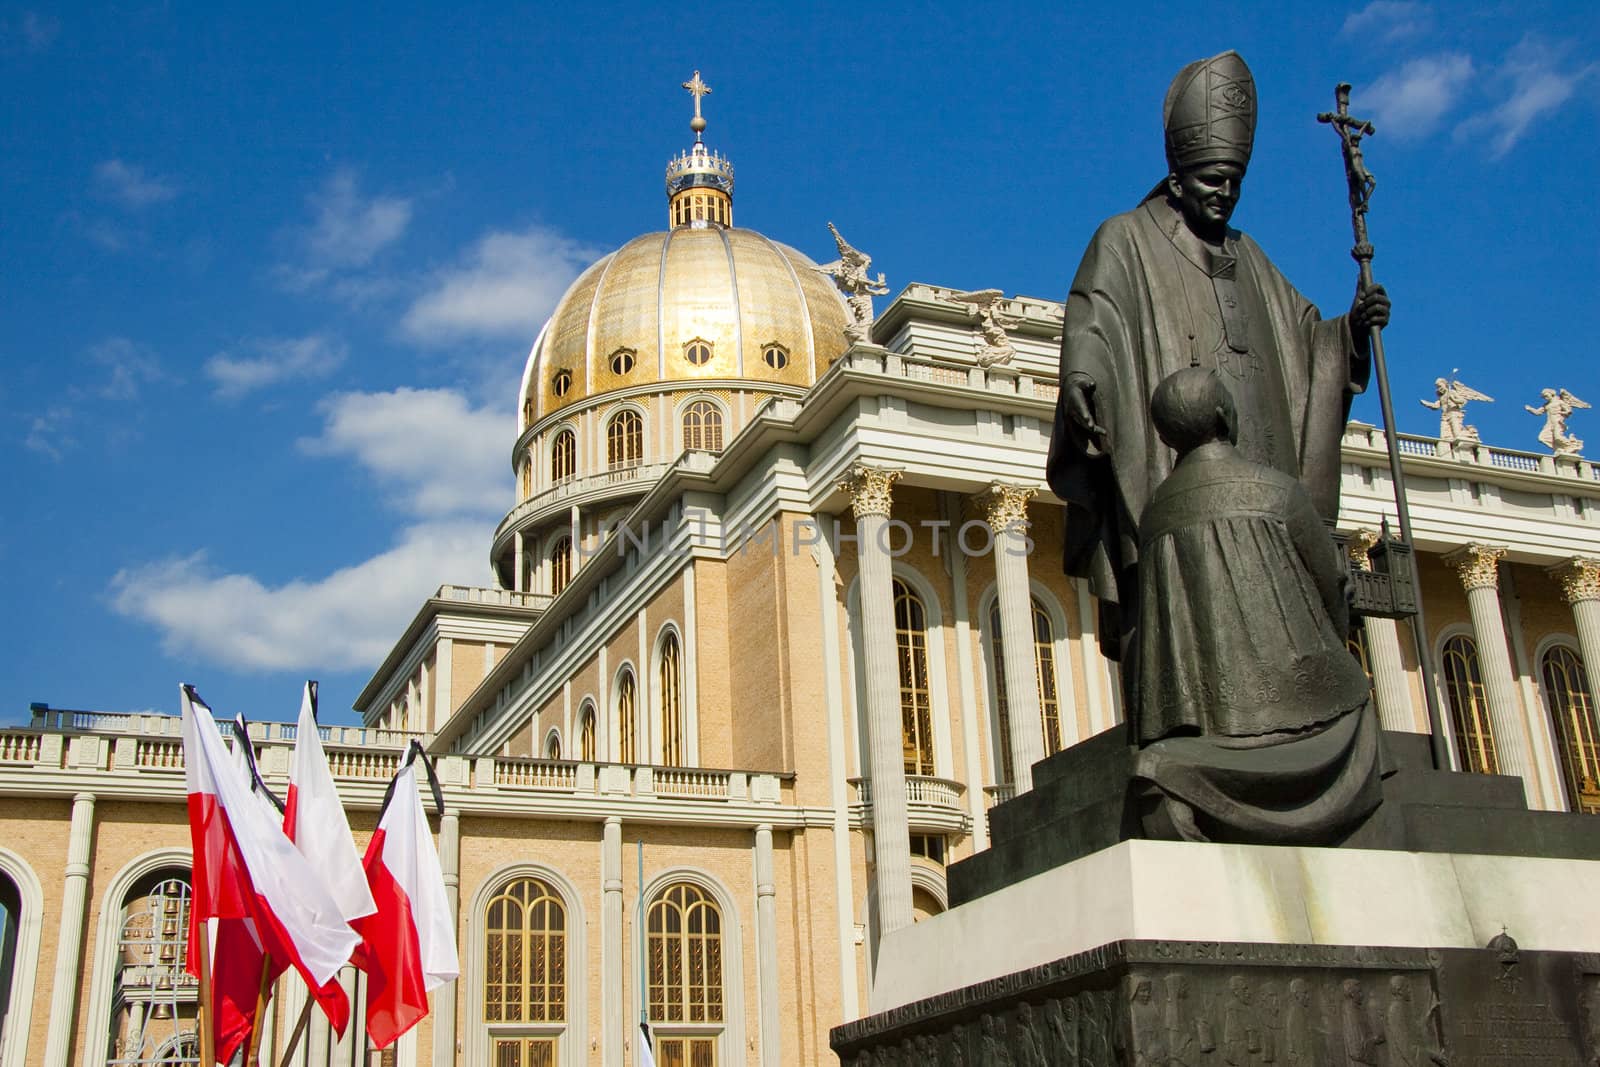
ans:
(1505, 1008)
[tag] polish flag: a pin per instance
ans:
(314, 820)
(246, 869)
(408, 945)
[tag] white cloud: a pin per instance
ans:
(347, 230)
(505, 286)
(343, 621)
(1535, 85)
(130, 186)
(1389, 20)
(274, 360)
(47, 433)
(127, 368)
(1409, 102)
(438, 457)
(435, 453)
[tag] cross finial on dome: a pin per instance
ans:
(697, 88)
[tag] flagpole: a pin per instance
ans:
(208, 1046)
(259, 1021)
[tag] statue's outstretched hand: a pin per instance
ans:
(1078, 400)
(1370, 308)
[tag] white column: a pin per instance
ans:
(516, 563)
(444, 998)
(613, 973)
(767, 950)
(966, 673)
(1580, 587)
(1006, 510)
(69, 944)
(345, 1048)
(869, 489)
(1479, 568)
(1389, 684)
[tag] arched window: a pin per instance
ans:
(627, 718)
(10, 924)
(685, 976)
(525, 478)
(625, 439)
(916, 708)
(560, 564)
(1357, 644)
(563, 456)
(702, 426)
(155, 1003)
(1469, 707)
(670, 679)
(1044, 664)
(525, 974)
(586, 748)
(1566, 687)
(552, 746)
(698, 352)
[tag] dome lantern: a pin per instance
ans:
(699, 182)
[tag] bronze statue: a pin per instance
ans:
(1167, 287)
(1254, 719)
(1170, 285)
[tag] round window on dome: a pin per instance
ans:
(561, 382)
(622, 361)
(697, 352)
(776, 356)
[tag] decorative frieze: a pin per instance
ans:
(1579, 578)
(1478, 565)
(870, 489)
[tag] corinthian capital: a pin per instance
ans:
(1579, 578)
(1478, 565)
(1005, 507)
(870, 489)
(1359, 545)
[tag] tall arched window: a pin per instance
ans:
(670, 678)
(1357, 644)
(916, 708)
(1469, 707)
(525, 478)
(586, 745)
(702, 426)
(563, 456)
(560, 564)
(10, 924)
(627, 718)
(552, 746)
(625, 439)
(155, 1003)
(685, 976)
(1044, 663)
(1566, 687)
(525, 974)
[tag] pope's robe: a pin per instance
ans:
(1149, 299)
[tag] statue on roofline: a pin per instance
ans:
(1451, 404)
(1557, 407)
(849, 274)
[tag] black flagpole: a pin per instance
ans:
(1362, 183)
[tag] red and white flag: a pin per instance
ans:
(246, 869)
(408, 946)
(314, 820)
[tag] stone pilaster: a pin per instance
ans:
(871, 490)
(1006, 511)
(613, 968)
(767, 950)
(1479, 568)
(444, 998)
(1389, 683)
(69, 944)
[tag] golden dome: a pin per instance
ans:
(687, 305)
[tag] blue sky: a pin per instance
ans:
(270, 280)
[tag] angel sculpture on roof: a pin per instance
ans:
(1558, 405)
(1453, 397)
(849, 273)
(986, 305)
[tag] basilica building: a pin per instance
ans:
(778, 615)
